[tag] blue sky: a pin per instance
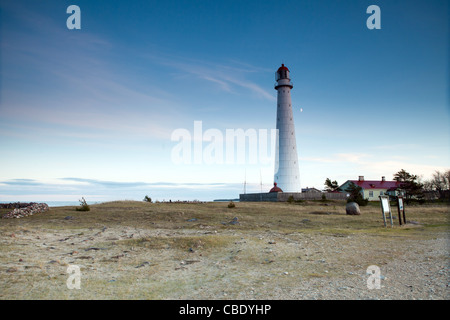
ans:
(90, 112)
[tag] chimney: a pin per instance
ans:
(383, 178)
(361, 178)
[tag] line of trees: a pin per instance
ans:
(437, 187)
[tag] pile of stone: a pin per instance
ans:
(24, 211)
(15, 205)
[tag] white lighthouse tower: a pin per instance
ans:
(287, 174)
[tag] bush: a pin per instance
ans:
(359, 200)
(290, 199)
(231, 205)
(356, 195)
(84, 205)
(148, 199)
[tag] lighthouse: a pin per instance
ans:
(287, 176)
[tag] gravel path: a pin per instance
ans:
(323, 267)
(414, 275)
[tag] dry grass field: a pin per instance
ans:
(139, 250)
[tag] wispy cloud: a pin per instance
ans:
(71, 189)
(370, 165)
(228, 77)
(74, 81)
(339, 158)
(22, 182)
(397, 146)
(120, 184)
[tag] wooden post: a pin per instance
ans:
(404, 217)
(401, 208)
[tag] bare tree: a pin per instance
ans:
(440, 182)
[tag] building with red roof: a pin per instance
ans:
(372, 189)
(275, 188)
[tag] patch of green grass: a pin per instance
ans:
(316, 275)
(182, 243)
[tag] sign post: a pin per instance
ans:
(386, 208)
(401, 209)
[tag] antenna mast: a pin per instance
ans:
(260, 179)
(245, 181)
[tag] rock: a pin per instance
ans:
(91, 248)
(352, 208)
(143, 264)
(233, 222)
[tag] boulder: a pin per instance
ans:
(352, 208)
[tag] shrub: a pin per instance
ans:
(231, 205)
(84, 205)
(356, 195)
(290, 199)
(148, 199)
(358, 198)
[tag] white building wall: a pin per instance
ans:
(287, 174)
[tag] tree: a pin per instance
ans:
(439, 182)
(404, 176)
(410, 184)
(331, 186)
(356, 195)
